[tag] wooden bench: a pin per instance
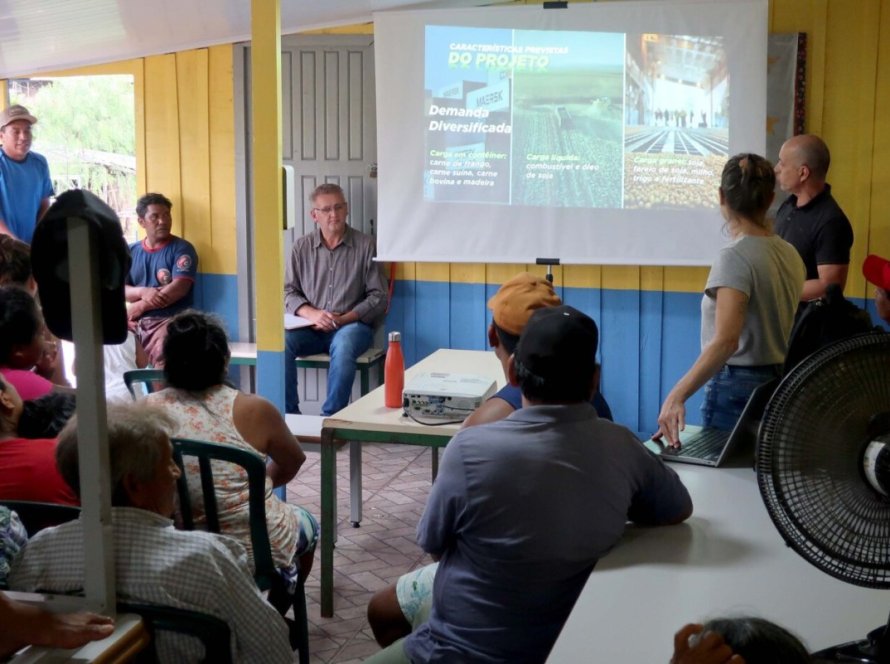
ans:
(244, 354)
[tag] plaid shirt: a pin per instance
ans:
(157, 564)
(340, 280)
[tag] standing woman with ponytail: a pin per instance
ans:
(748, 305)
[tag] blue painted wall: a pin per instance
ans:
(648, 339)
(219, 293)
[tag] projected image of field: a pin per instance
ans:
(567, 139)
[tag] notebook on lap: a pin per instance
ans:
(712, 447)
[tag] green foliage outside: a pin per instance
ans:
(86, 130)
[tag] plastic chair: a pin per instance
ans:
(149, 379)
(266, 575)
(36, 516)
(214, 633)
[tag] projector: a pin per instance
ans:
(445, 395)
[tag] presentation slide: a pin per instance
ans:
(593, 134)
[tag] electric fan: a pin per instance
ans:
(823, 467)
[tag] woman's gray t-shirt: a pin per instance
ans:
(771, 273)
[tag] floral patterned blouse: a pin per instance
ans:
(12, 538)
(208, 416)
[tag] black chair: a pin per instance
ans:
(213, 632)
(265, 574)
(36, 516)
(149, 379)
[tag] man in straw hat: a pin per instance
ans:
(25, 186)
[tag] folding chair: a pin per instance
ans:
(148, 379)
(36, 516)
(266, 574)
(214, 633)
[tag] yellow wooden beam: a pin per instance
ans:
(162, 166)
(194, 151)
(222, 162)
(265, 132)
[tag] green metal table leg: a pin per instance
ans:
(328, 489)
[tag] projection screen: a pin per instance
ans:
(594, 133)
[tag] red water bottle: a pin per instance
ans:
(394, 372)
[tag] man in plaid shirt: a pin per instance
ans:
(156, 563)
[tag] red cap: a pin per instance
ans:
(877, 271)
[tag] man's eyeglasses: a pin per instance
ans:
(339, 207)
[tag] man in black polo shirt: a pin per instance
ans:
(810, 219)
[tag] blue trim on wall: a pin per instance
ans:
(218, 293)
(270, 376)
(869, 306)
(468, 316)
(432, 324)
(648, 339)
(270, 383)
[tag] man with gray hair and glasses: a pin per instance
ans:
(333, 281)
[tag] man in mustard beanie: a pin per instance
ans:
(394, 610)
(511, 307)
(507, 503)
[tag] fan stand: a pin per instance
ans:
(875, 649)
(791, 474)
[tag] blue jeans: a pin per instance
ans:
(343, 345)
(728, 391)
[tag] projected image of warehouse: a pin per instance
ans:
(677, 118)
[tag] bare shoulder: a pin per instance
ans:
(254, 406)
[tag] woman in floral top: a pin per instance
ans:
(196, 354)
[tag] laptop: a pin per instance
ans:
(713, 447)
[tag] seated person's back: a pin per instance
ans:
(196, 356)
(22, 342)
(154, 562)
(523, 508)
(27, 466)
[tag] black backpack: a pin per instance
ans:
(820, 322)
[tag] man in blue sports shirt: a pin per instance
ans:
(162, 275)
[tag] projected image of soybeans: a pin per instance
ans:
(524, 117)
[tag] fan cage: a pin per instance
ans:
(809, 460)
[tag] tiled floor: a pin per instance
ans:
(396, 481)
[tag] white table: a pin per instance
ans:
(368, 420)
(243, 353)
(727, 559)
